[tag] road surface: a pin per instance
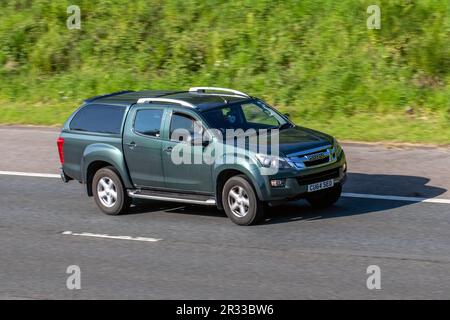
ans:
(171, 251)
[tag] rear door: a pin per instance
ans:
(142, 146)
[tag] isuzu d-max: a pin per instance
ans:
(176, 146)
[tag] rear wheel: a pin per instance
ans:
(109, 192)
(325, 198)
(241, 202)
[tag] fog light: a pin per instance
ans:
(344, 167)
(278, 183)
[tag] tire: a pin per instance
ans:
(109, 192)
(239, 193)
(325, 199)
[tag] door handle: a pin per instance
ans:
(168, 149)
(131, 145)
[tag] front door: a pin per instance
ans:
(194, 176)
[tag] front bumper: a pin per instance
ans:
(297, 181)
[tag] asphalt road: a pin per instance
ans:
(298, 253)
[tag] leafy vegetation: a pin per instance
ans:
(314, 59)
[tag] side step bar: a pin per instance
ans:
(172, 197)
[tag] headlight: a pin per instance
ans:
(267, 161)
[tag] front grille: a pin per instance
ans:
(316, 162)
(313, 158)
(318, 177)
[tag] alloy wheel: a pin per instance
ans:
(107, 192)
(238, 201)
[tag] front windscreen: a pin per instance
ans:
(246, 115)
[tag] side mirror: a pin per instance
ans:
(287, 115)
(197, 140)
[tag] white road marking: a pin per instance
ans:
(394, 198)
(95, 235)
(345, 194)
(29, 174)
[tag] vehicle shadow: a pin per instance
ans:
(378, 184)
(393, 185)
(148, 206)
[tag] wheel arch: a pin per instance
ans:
(98, 156)
(93, 167)
(225, 173)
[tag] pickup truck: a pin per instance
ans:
(121, 146)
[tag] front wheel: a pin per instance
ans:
(241, 202)
(109, 192)
(325, 198)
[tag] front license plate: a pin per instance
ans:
(320, 185)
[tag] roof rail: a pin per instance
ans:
(239, 93)
(181, 102)
(107, 95)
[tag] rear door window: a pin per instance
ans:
(148, 122)
(99, 118)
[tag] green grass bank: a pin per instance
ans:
(316, 60)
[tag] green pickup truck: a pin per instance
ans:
(141, 144)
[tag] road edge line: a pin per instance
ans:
(29, 174)
(394, 198)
